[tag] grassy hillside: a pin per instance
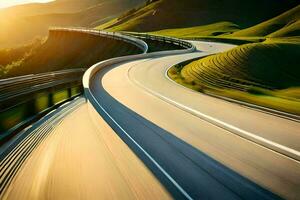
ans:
(169, 14)
(22, 23)
(214, 29)
(284, 25)
(64, 50)
(265, 73)
(257, 64)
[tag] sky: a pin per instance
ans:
(8, 3)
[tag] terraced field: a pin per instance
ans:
(268, 69)
(250, 65)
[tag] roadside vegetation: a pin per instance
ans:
(11, 57)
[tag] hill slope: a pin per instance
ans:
(166, 14)
(272, 64)
(214, 29)
(22, 23)
(284, 25)
(65, 50)
(259, 64)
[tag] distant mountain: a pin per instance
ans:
(284, 25)
(58, 6)
(168, 14)
(20, 24)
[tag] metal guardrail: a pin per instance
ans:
(35, 76)
(25, 98)
(114, 35)
(131, 38)
(17, 86)
(182, 43)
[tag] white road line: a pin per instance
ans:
(145, 152)
(291, 153)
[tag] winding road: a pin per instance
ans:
(155, 139)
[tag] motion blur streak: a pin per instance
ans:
(84, 159)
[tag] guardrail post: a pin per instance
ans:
(50, 97)
(70, 91)
(31, 107)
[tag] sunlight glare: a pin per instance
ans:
(8, 3)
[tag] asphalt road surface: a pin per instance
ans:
(81, 158)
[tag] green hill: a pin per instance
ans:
(65, 50)
(284, 25)
(251, 65)
(25, 22)
(214, 29)
(169, 14)
(265, 73)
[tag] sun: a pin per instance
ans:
(8, 3)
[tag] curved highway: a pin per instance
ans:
(138, 95)
(153, 139)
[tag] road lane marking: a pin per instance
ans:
(281, 149)
(144, 151)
